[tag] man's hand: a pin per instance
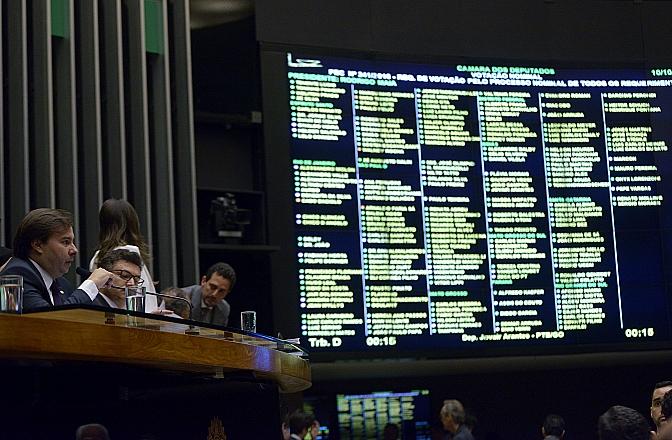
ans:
(101, 277)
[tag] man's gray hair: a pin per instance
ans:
(454, 409)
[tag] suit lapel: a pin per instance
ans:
(44, 291)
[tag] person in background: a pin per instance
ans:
(120, 229)
(208, 298)
(452, 418)
(314, 432)
(125, 265)
(623, 423)
(664, 429)
(391, 432)
(44, 249)
(180, 308)
(553, 427)
(92, 431)
(659, 390)
(286, 434)
(299, 424)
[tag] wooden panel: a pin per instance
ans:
(82, 335)
(162, 153)
(43, 180)
(65, 117)
(88, 79)
(112, 107)
(3, 237)
(17, 198)
(139, 188)
(183, 142)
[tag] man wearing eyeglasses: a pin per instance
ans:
(125, 267)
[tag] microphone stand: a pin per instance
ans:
(192, 330)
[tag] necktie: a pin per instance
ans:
(206, 314)
(56, 293)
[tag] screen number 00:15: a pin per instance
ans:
(375, 341)
(646, 332)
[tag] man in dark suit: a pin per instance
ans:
(208, 298)
(44, 249)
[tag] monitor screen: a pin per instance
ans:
(456, 209)
(365, 416)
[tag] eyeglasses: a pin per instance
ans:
(127, 276)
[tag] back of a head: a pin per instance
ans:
(119, 225)
(300, 422)
(391, 432)
(454, 409)
(554, 425)
(93, 431)
(622, 423)
(179, 307)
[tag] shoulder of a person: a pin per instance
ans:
(19, 266)
(192, 289)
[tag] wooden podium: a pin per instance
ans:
(142, 377)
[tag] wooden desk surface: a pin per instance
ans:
(83, 335)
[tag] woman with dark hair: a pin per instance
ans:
(120, 229)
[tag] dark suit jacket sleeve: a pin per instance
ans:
(74, 297)
(35, 293)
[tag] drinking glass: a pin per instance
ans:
(11, 293)
(135, 298)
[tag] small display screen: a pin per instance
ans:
(366, 416)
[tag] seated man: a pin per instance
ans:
(208, 298)
(44, 249)
(126, 268)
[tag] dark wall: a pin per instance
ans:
(512, 404)
(567, 30)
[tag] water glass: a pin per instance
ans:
(11, 293)
(135, 298)
(248, 321)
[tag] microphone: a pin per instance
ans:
(192, 330)
(178, 298)
(84, 273)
